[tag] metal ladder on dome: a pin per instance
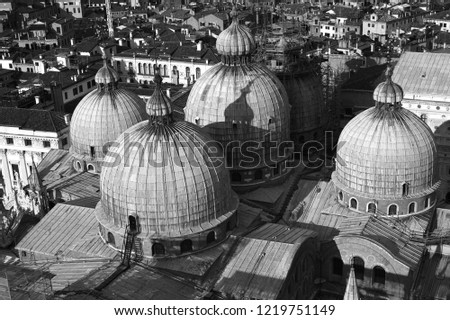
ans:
(128, 245)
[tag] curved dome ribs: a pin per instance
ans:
(100, 117)
(388, 155)
(177, 194)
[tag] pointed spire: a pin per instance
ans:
(159, 106)
(351, 291)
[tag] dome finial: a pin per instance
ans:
(157, 78)
(388, 92)
(234, 13)
(159, 106)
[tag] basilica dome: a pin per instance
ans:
(102, 115)
(240, 102)
(386, 153)
(171, 180)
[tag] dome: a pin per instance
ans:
(236, 40)
(106, 74)
(101, 116)
(388, 91)
(170, 183)
(241, 103)
(387, 152)
(382, 149)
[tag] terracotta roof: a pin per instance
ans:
(32, 119)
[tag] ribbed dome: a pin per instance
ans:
(106, 75)
(384, 148)
(236, 40)
(388, 91)
(101, 116)
(171, 185)
(239, 103)
(159, 104)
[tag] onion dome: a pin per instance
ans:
(169, 180)
(236, 40)
(388, 91)
(106, 75)
(386, 152)
(102, 115)
(239, 103)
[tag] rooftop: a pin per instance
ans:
(32, 119)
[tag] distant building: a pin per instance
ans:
(27, 135)
(441, 19)
(178, 64)
(424, 79)
(75, 7)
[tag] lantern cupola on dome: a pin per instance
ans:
(236, 43)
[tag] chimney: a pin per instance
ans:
(37, 99)
(72, 41)
(372, 47)
(200, 45)
(168, 92)
(67, 118)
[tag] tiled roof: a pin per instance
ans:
(443, 15)
(435, 277)
(69, 232)
(31, 119)
(257, 269)
(389, 234)
(424, 76)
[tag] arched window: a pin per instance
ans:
(236, 176)
(165, 70)
(405, 189)
(139, 68)
(353, 203)
(90, 168)
(211, 237)
(198, 73)
(188, 72)
(358, 266)
(392, 210)
(150, 69)
(158, 248)
(111, 239)
(130, 66)
(412, 207)
(132, 223)
(258, 174)
(379, 275)
(78, 164)
(372, 207)
(341, 196)
(185, 246)
(427, 202)
(338, 266)
(145, 68)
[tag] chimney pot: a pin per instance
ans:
(37, 99)
(67, 118)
